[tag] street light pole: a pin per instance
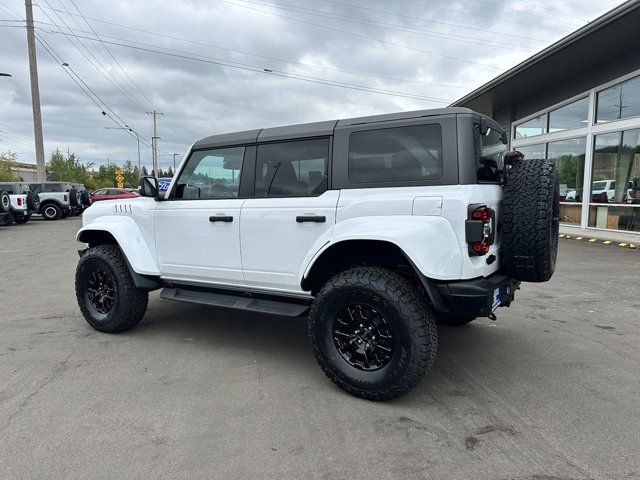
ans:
(137, 138)
(174, 162)
(35, 92)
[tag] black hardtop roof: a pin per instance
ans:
(316, 129)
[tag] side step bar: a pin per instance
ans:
(236, 301)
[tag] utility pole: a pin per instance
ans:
(154, 143)
(35, 92)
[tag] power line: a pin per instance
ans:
(379, 24)
(431, 20)
(265, 56)
(112, 56)
(476, 15)
(88, 91)
(361, 35)
(103, 71)
(273, 72)
(525, 12)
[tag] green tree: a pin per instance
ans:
(6, 159)
(68, 168)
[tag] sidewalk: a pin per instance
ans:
(622, 239)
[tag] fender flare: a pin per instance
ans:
(436, 254)
(135, 247)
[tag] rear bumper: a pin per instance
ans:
(472, 298)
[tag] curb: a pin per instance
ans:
(631, 246)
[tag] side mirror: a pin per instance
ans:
(148, 186)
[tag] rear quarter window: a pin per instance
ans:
(396, 154)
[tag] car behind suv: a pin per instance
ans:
(23, 203)
(378, 228)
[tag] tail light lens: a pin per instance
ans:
(66, 198)
(480, 229)
(19, 201)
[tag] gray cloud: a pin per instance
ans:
(200, 99)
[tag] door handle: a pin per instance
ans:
(311, 218)
(221, 218)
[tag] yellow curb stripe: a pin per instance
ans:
(622, 244)
(562, 235)
(607, 242)
(592, 240)
(632, 246)
(578, 238)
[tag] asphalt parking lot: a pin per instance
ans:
(550, 391)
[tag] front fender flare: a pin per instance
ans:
(135, 247)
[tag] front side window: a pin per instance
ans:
(211, 174)
(292, 169)
(618, 102)
(396, 154)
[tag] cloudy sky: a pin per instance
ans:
(214, 66)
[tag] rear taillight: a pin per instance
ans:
(19, 201)
(479, 229)
(66, 198)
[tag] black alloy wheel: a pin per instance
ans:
(101, 290)
(363, 337)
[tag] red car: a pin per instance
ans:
(112, 194)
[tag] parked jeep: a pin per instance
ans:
(378, 228)
(83, 197)
(56, 199)
(23, 203)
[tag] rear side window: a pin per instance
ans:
(292, 169)
(492, 150)
(396, 154)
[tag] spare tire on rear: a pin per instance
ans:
(5, 202)
(73, 197)
(33, 201)
(85, 198)
(530, 220)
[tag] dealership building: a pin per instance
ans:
(578, 102)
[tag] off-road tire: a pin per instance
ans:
(73, 197)
(130, 302)
(22, 219)
(33, 201)
(50, 211)
(85, 198)
(530, 220)
(5, 202)
(452, 320)
(406, 310)
(7, 219)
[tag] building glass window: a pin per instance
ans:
(569, 157)
(573, 115)
(618, 102)
(532, 151)
(616, 180)
(531, 128)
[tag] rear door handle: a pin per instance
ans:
(221, 218)
(311, 218)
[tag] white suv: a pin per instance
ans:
(377, 228)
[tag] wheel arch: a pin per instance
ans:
(352, 253)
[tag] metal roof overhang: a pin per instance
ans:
(614, 34)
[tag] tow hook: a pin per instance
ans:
(492, 316)
(82, 251)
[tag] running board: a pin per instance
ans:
(236, 301)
